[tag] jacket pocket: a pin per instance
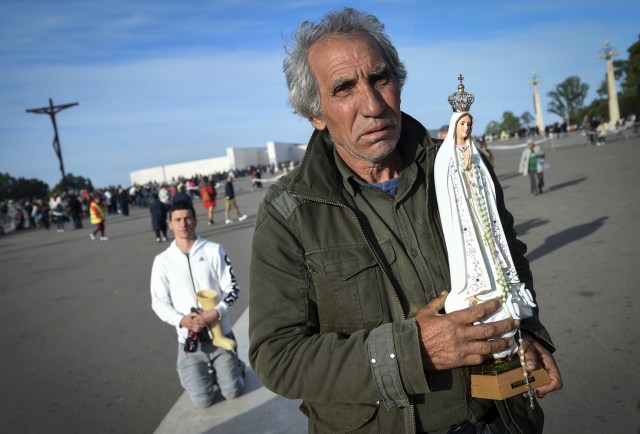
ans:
(348, 284)
(340, 417)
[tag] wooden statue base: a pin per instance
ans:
(503, 378)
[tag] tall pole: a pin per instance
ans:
(51, 111)
(608, 53)
(536, 102)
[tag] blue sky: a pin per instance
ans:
(162, 81)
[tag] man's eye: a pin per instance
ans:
(378, 80)
(342, 90)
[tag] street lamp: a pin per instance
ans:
(536, 101)
(51, 111)
(608, 53)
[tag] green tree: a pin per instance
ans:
(74, 183)
(599, 109)
(492, 128)
(567, 100)
(526, 118)
(16, 188)
(510, 122)
(603, 90)
(620, 69)
(630, 96)
(6, 186)
(31, 187)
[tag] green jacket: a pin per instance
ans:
(326, 325)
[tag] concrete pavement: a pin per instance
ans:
(84, 353)
(256, 411)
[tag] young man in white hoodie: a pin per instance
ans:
(189, 264)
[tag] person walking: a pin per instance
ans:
(158, 211)
(74, 208)
(230, 202)
(533, 164)
(208, 195)
(97, 217)
(181, 195)
(58, 212)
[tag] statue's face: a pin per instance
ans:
(463, 128)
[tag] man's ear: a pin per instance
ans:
(318, 123)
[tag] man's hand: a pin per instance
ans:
(210, 316)
(537, 356)
(452, 340)
(193, 321)
(197, 321)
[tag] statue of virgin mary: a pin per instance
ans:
(480, 263)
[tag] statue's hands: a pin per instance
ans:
(538, 356)
(452, 340)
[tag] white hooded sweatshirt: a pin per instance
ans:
(176, 276)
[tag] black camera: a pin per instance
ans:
(191, 344)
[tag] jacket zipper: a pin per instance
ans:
(193, 283)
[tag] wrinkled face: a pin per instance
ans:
(359, 96)
(183, 224)
(463, 129)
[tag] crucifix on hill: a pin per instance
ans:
(51, 111)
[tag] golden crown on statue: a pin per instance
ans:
(461, 101)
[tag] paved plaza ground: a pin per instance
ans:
(84, 353)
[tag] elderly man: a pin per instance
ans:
(349, 270)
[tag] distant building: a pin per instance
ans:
(274, 153)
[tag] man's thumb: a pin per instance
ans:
(437, 304)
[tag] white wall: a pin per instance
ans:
(242, 157)
(145, 175)
(279, 152)
(174, 171)
(236, 158)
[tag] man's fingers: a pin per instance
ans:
(437, 304)
(487, 348)
(479, 311)
(549, 364)
(489, 330)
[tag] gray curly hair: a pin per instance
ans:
(303, 86)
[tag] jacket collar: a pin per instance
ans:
(318, 177)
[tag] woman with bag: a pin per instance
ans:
(532, 163)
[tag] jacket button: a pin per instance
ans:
(373, 360)
(393, 356)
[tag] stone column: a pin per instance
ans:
(536, 102)
(608, 53)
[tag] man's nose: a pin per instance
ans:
(371, 102)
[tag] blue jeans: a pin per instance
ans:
(193, 370)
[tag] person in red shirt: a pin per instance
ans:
(208, 196)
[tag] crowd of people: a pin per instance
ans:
(71, 210)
